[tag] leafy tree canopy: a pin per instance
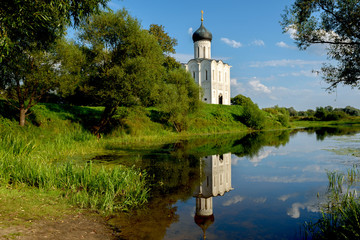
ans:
(166, 42)
(29, 24)
(334, 23)
(124, 62)
(27, 77)
(241, 100)
(180, 96)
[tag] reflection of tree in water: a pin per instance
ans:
(150, 222)
(174, 173)
(324, 132)
(251, 144)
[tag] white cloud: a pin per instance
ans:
(284, 45)
(190, 31)
(286, 197)
(311, 206)
(303, 73)
(317, 49)
(314, 168)
(233, 200)
(236, 86)
(260, 200)
(285, 63)
(284, 179)
(291, 30)
(258, 43)
(259, 87)
(294, 211)
(260, 156)
(231, 43)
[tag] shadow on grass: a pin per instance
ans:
(85, 116)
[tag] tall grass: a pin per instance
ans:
(39, 158)
(341, 215)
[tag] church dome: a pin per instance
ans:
(202, 34)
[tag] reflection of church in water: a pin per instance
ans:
(215, 171)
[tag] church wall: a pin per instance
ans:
(205, 69)
(220, 82)
(202, 49)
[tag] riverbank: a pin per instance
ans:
(48, 158)
(44, 174)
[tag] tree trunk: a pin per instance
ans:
(105, 118)
(22, 116)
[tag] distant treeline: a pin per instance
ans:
(327, 113)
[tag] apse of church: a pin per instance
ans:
(212, 75)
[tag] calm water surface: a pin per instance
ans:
(257, 186)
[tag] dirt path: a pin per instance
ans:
(69, 227)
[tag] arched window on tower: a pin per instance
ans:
(198, 51)
(204, 52)
(206, 75)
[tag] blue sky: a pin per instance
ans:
(266, 65)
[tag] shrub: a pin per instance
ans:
(253, 117)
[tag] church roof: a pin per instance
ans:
(202, 34)
(199, 60)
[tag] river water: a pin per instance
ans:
(256, 186)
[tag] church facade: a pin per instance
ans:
(213, 76)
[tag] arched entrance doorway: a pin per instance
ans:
(220, 99)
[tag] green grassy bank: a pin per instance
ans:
(47, 157)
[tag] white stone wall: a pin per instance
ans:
(220, 82)
(213, 77)
(202, 49)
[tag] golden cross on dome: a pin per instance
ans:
(202, 15)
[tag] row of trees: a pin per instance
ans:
(115, 62)
(325, 113)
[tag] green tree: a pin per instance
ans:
(241, 100)
(292, 112)
(252, 116)
(28, 24)
(167, 44)
(28, 32)
(28, 77)
(124, 63)
(180, 97)
(334, 23)
(321, 113)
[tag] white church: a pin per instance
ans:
(212, 75)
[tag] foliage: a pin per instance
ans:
(166, 42)
(27, 78)
(252, 116)
(341, 216)
(241, 100)
(333, 23)
(328, 114)
(34, 25)
(39, 158)
(123, 62)
(279, 114)
(179, 98)
(28, 32)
